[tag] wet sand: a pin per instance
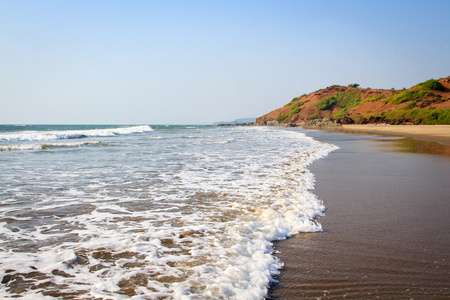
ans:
(386, 229)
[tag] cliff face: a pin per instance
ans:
(424, 103)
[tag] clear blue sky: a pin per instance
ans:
(197, 62)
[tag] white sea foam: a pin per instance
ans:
(43, 146)
(179, 218)
(222, 141)
(30, 136)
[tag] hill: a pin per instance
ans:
(424, 103)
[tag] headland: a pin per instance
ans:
(426, 103)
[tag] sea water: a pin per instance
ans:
(150, 212)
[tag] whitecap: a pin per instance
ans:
(44, 146)
(30, 136)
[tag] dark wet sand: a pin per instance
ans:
(387, 225)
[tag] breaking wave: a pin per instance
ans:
(33, 136)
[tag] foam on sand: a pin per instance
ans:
(175, 217)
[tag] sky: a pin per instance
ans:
(199, 62)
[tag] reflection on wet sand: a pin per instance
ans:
(410, 145)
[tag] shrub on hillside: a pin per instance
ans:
(327, 103)
(295, 110)
(348, 99)
(407, 96)
(296, 99)
(373, 98)
(299, 97)
(296, 105)
(432, 85)
(340, 114)
(410, 105)
(283, 118)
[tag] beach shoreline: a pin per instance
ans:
(433, 133)
(384, 228)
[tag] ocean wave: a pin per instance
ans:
(224, 141)
(32, 136)
(199, 136)
(176, 219)
(44, 146)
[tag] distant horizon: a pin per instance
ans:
(106, 124)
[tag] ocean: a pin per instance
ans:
(151, 212)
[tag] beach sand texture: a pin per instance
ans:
(386, 229)
(438, 133)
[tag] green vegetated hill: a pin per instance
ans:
(424, 103)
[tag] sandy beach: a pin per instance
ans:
(436, 133)
(386, 226)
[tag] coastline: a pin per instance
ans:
(385, 229)
(433, 133)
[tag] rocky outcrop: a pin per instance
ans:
(320, 123)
